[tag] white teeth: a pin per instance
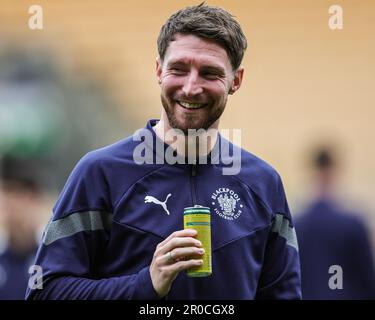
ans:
(188, 105)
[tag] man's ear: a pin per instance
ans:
(158, 69)
(236, 83)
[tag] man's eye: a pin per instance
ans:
(177, 70)
(210, 75)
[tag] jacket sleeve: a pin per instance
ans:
(75, 240)
(280, 277)
(361, 249)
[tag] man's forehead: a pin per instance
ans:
(187, 48)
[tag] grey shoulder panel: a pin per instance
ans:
(282, 228)
(76, 222)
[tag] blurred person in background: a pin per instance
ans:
(49, 117)
(20, 209)
(330, 235)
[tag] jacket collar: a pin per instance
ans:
(160, 149)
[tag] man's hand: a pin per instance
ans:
(172, 256)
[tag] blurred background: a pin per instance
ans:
(87, 79)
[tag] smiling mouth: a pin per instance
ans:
(191, 106)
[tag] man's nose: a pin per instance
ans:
(192, 86)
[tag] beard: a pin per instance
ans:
(192, 121)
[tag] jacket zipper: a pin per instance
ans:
(193, 174)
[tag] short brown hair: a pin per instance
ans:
(207, 22)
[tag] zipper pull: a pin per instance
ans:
(193, 170)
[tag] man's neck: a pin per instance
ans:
(199, 143)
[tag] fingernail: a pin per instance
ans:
(201, 251)
(200, 261)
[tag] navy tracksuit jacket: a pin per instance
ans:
(101, 238)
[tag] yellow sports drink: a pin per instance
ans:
(199, 218)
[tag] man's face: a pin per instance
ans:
(196, 77)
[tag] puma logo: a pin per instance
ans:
(149, 199)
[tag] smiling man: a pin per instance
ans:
(196, 77)
(117, 228)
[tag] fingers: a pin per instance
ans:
(179, 233)
(178, 254)
(172, 270)
(182, 238)
(180, 243)
(179, 251)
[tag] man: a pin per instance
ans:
(116, 230)
(20, 203)
(338, 263)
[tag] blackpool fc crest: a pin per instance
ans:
(226, 203)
